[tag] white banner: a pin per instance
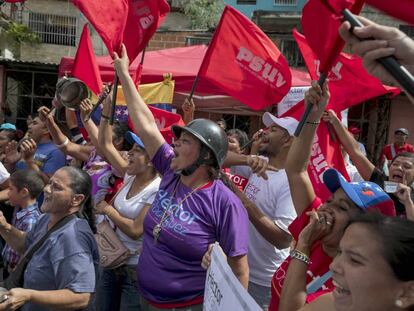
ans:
(223, 290)
(295, 95)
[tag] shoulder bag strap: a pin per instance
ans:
(29, 254)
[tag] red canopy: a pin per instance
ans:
(182, 62)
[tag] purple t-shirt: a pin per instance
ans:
(170, 270)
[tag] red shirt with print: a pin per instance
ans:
(318, 267)
(388, 154)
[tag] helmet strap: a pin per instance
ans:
(193, 167)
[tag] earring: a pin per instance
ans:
(398, 303)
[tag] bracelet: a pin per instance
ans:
(104, 116)
(295, 254)
(66, 141)
(313, 122)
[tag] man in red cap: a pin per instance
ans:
(355, 131)
(400, 145)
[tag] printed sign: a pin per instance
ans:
(223, 290)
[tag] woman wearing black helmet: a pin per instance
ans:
(192, 208)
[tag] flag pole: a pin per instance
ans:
(308, 109)
(143, 55)
(356, 7)
(190, 96)
(102, 97)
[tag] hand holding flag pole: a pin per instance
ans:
(323, 36)
(102, 97)
(308, 110)
(390, 63)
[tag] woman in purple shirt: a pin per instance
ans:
(191, 210)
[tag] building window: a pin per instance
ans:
(190, 40)
(252, 2)
(54, 29)
(26, 91)
(286, 2)
(408, 30)
(290, 50)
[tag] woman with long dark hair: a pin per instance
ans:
(61, 272)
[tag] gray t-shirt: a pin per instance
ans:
(67, 259)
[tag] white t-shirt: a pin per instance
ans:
(4, 174)
(130, 208)
(273, 198)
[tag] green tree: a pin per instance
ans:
(203, 14)
(20, 33)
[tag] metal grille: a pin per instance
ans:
(286, 2)
(246, 1)
(290, 50)
(408, 30)
(196, 40)
(54, 29)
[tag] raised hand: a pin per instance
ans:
(382, 41)
(12, 155)
(188, 106)
(319, 98)
(85, 108)
(45, 114)
(121, 64)
(28, 148)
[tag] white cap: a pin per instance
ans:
(288, 123)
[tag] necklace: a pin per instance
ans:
(156, 232)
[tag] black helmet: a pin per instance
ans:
(210, 134)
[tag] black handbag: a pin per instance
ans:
(16, 277)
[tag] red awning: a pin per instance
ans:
(183, 63)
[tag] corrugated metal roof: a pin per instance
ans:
(25, 62)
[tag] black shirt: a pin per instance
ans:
(379, 177)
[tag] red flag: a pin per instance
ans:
(320, 22)
(325, 153)
(164, 120)
(85, 67)
(245, 63)
(108, 19)
(144, 17)
(349, 83)
(401, 9)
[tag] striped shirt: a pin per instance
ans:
(23, 219)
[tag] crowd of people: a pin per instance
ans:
(168, 204)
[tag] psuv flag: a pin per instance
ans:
(245, 63)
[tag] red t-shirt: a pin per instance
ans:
(319, 262)
(387, 153)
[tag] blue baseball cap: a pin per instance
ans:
(8, 126)
(134, 139)
(366, 195)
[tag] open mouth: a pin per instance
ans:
(396, 178)
(340, 291)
